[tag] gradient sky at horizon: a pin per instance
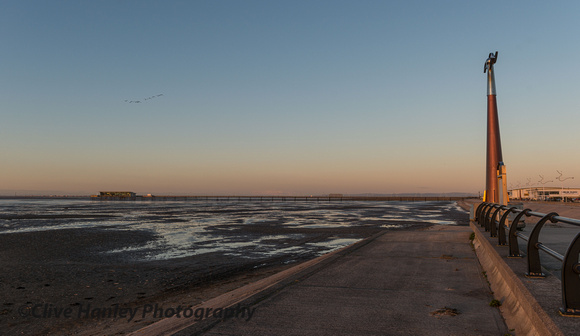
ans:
(283, 97)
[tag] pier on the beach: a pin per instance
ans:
(249, 198)
(300, 198)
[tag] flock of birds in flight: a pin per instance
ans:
(139, 101)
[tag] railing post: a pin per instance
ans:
(534, 265)
(484, 215)
(571, 280)
(478, 210)
(486, 219)
(492, 228)
(501, 227)
(512, 236)
(481, 214)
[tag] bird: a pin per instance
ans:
(138, 101)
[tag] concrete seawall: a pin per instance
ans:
(520, 308)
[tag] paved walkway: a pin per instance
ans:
(424, 282)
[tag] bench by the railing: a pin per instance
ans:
(486, 215)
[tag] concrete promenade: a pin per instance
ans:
(422, 282)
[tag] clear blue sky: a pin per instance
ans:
(283, 97)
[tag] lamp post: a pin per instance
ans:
(494, 155)
(562, 179)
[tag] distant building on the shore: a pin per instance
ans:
(126, 195)
(545, 194)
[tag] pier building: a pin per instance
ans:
(545, 193)
(129, 195)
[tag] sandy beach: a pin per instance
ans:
(35, 271)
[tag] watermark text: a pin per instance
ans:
(115, 311)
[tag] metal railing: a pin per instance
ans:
(487, 216)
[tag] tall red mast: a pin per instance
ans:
(494, 155)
